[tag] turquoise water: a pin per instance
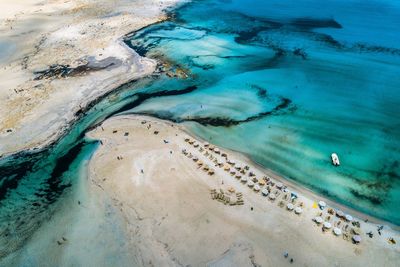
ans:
(289, 83)
(286, 82)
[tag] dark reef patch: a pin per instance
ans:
(373, 199)
(314, 23)
(12, 172)
(284, 107)
(141, 97)
(63, 71)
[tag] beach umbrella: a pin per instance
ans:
(357, 238)
(339, 213)
(327, 225)
(321, 204)
(349, 218)
(265, 192)
(272, 196)
(298, 210)
(244, 179)
(256, 188)
(279, 185)
(318, 219)
(290, 206)
(216, 150)
(293, 195)
(250, 184)
(337, 231)
(206, 144)
(356, 231)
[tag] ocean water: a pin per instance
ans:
(286, 82)
(290, 82)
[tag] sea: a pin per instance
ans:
(285, 82)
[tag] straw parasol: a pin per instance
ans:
(265, 192)
(356, 238)
(322, 204)
(298, 210)
(348, 218)
(337, 231)
(250, 184)
(327, 225)
(356, 231)
(318, 219)
(290, 206)
(261, 182)
(257, 188)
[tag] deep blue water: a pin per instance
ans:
(286, 82)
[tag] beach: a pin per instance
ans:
(163, 198)
(59, 56)
(117, 169)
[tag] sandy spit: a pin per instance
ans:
(35, 35)
(169, 217)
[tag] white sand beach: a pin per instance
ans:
(162, 197)
(152, 194)
(35, 35)
(141, 201)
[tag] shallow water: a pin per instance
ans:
(286, 83)
(289, 84)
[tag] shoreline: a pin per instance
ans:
(302, 189)
(52, 116)
(121, 178)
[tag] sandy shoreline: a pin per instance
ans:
(173, 191)
(81, 35)
(140, 201)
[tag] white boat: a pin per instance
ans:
(335, 159)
